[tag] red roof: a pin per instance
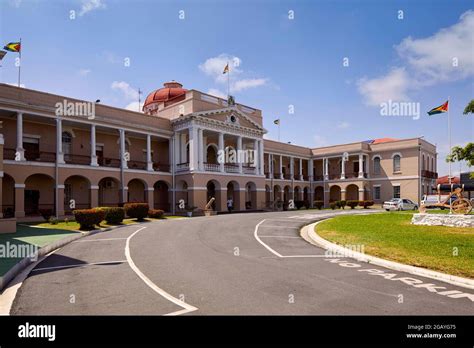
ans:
(171, 90)
(444, 180)
(383, 140)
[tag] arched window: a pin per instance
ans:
(67, 143)
(377, 165)
(396, 163)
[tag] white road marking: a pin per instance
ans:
(78, 265)
(255, 234)
(279, 226)
(97, 240)
(279, 237)
(186, 307)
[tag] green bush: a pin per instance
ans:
(366, 204)
(46, 213)
(155, 213)
(341, 204)
(352, 204)
(137, 211)
(87, 218)
(299, 204)
(333, 205)
(318, 204)
(114, 215)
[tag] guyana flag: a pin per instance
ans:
(439, 109)
(13, 47)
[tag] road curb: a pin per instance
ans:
(25, 262)
(309, 234)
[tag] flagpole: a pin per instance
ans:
(228, 81)
(449, 164)
(19, 66)
(279, 123)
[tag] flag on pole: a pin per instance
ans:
(277, 121)
(439, 109)
(13, 47)
(226, 69)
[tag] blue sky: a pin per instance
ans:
(282, 61)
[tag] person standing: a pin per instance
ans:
(230, 204)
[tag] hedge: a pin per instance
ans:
(352, 204)
(155, 213)
(137, 211)
(318, 204)
(341, 204)
(46, 213)
(366, 204)
(113, 215)
(87, 218)
(333, 205)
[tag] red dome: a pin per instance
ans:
(170, 91)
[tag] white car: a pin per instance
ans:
(399, 204)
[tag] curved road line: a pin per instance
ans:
(186, 307)
(255, 234)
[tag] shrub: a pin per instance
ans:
(87, 218)
(366, 204)
(46, 213)
(333, 205)
(155, 213)
(341, 204)
(306, 204)
(114, 215)
(137, 211)
(318, 204)
(299, 204)
(53, 221)
(352, 204)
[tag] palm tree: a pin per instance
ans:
(469, 109)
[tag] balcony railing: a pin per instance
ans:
(109, 162)
(77, 159)
(161, 167)
(318, 178)
(249, 170)
(212, 167)
(231, 168)
(137, 165)
(276, 175)
(181, 167)
(428, 174)
(40, 156)
(9, 154)
(287, 176)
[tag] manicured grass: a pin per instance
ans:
(29, 235)
(391, 236)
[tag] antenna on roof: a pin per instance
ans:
(139, 100)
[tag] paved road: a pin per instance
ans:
(224, 265)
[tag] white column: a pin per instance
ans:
(343, 168)
(200, 149)
(176, 143)
(310, 169)
(183, 155)
(20, 152)
(281, 166)
(239, 149)
(301, 169)
(292, 167)
(149, 162)
(193, 148)
(261, 158)
(123, 161)
(326, 168)
(59, 140)
(221, 149)
(361, 165)
(93, 147)
(270, 169)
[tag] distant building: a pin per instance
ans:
(97, 155)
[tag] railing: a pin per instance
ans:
(305, 178)
(161, 167)
(40, 156)
(334, 176)
(287, 176)
(137, 165)
(249, 170)
(77, 159)
(429, 174)
(109, 162)
(231, 168)
(276, 175)
(318, 178)
(181, 167)
(212, 167)
(9, 154)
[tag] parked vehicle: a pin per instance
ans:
(430, 201)
(399, 204)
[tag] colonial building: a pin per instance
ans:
(62, 154)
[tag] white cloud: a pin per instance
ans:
(444, 56)
(128, 92)
(392, 86)
(84, 72)
(217, 93)
(133, 106)
(343, 125)
(15, 3)
(240, 85)
(320, 141)
(214, 68)
(91, 5)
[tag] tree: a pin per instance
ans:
(469, 109)
(466, 153)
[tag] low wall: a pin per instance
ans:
(8, 225)
(453, 220)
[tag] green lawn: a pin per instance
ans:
(391, 236)
(29, 235)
